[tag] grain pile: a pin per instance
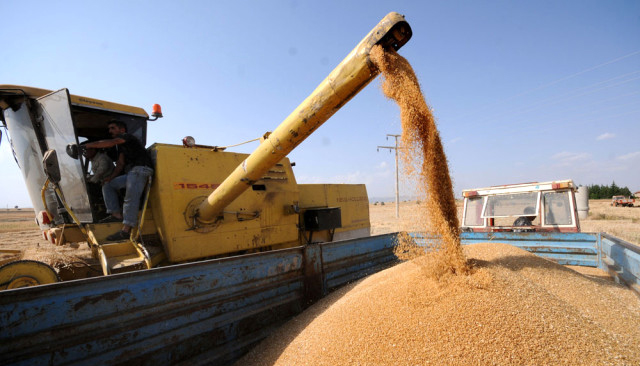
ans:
(516, 308)
(424, 161)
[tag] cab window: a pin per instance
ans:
(473, 211)
(508, 205)
(557, 208)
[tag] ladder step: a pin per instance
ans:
(123, 257)
(126, 263)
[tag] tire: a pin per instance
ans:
(26, 273)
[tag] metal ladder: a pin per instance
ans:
(123, 256)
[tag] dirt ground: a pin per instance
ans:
(19, 232)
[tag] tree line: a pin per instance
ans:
(597, 191)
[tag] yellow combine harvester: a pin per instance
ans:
(202, 202)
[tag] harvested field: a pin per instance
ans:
(16, 220)
(516, 308)
(622, 222)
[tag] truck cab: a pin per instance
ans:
(526, 207)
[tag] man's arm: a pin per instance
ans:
(118, 169)
(102, 144)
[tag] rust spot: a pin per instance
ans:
(95, 299)
(189, 280)
(257, 240)
(269, 197)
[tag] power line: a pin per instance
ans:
(396, 147)
(559, 99)
(579, 73)
(550, 83)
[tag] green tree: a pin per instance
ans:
(597, 191)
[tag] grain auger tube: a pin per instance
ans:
(345, 81)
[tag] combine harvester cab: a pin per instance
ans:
(41, 125)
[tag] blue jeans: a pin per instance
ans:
(134, 183)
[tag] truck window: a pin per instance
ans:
(473, 211)
(557, 208)
(506, 205)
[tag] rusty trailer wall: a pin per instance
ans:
(343, 264)
(208, 312)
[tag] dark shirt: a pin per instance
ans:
(134, 153)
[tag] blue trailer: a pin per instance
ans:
(212, 312)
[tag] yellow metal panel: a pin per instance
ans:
(71, 233)
(351, 198)
(260, 217)
(119, 249)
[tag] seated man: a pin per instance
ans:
(101, 165)
(526, 220)
(136, 163)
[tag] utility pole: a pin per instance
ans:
(397, 187)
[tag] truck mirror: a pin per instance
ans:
(51, 167)
(72, 151)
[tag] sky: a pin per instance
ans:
(522, 90)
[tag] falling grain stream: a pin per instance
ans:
(424, 160)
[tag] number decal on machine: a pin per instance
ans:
(195, 185)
